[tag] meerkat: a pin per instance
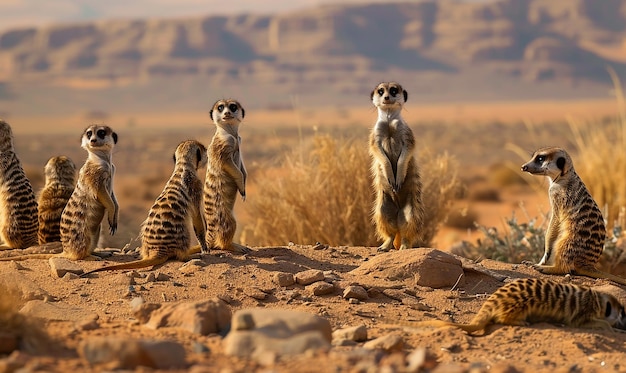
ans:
(576, 232)
(165, 234)
(18, 204)
(92, 197)
(60, 177)
(532, 300)
(225, 176)
(398, 211)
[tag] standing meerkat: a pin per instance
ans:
(532, 300)
(165, 234)
(60, 174)
(225, 176)
(18, 205)
(92, 197)
(398, 211)
(576, 233)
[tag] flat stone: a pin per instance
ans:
(203, 317)
(284, 279)
(356, 292)
(310, 276)
(254, 332)
(60, 266)
(320, 288)
(57, 312)
(16, 283)
(423, 267)
(121, 353)
(355, 333)
(389, 342)
(142, 310)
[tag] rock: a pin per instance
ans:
(142, 310)
(8, 343)
(118, 353)
(61, 266)
(162, 277)
(321, 288)
(192, 266)
(356, 292)
(204, 317)
(57, 312)
(425, 267)
(16, 283)
(389, 342)
(284, 279)
(310, 276)
(395, 294)
(354, 333)
(254, 332)
(87, 324)
(415, 304)
(255, 293)
(70, 276)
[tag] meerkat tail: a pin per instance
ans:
(30, 256)
(142, 263)
(595, 273)
(397, 241)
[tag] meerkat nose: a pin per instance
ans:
(386, 97)
(524, 168)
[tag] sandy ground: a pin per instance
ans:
(541, 347)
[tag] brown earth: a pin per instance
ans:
(240, 279)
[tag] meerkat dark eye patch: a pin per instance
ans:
(381, 91)
(88, 134)
(560, 163)
(220, 108)
(101, 133)
(393, 91)
(233, 108)
(540, 158)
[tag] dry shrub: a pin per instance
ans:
(325, 196)
(506, 174)
(601, 160)
(465, 218)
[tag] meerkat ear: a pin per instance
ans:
(174, 157)
(372, 94)
(406, 95)
(114, 137)
(243, 112)
(211, 114)
(198, 155)
(609, 309)
(560, 163)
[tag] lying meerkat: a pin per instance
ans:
(60, 175)
(18, 205)
(92, 197)
(576, 233)
(525, 301)
(225, 176)
(165, 234)
(398, 211)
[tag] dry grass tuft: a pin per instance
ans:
(325, 196)
(602, 158)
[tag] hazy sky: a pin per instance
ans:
(15, 13)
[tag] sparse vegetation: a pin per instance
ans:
(325, 195)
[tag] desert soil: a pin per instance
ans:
(240, 279)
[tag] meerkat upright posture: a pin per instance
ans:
(576, 233)
(525, 301)
(225, 176)
(398, 211)
(60, 173)
(18, 205)
(92, 197)
(165, 234)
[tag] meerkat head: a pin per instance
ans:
(612, 310)
(6, 137)
(98, 137)
(60, 168)
(193, 152)
(227, 111)
(551, 161)
(389, 96)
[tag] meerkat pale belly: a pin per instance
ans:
(398, 211)
(225, 176)
(525, 301)
(576, 232)
(166, 232)
(18, 205)
(60, 175)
